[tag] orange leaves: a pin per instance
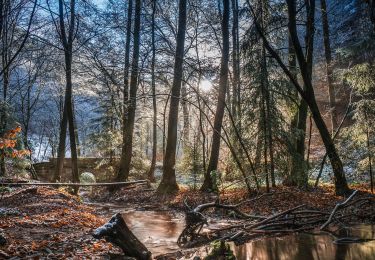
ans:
(8, 143)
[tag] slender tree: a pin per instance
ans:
(151, 176)
(127, 148)
(67, 38)
(168, 183)
(219, 114)
(328, 59)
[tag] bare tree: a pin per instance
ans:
(151, 176)
(67, 37)
(328, 58)
(129, 119)
(223, 82)
(168, 183)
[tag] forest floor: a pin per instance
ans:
(46, 222)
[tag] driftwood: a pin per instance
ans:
(59, 184)
(337, 207)
(296, 219)
(117, 232)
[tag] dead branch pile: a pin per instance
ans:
(296, 219)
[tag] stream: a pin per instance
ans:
(159, 231)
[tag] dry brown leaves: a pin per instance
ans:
(50, 223)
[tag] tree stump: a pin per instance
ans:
(118, 233)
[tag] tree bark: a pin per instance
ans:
(329, 72)
(118, 233)
(126, 66)
(127, 148)
(236, 62)
(151, 175)
(168, 183)
(185, 113)
(371, 4)
(299, 167)
(68, 114)
(223, 82)
(341, 186)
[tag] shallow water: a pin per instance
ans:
(159, 231)
(307, 246)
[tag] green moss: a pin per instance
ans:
(220, 250)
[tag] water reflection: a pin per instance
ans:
(158, 230)
(307, 246)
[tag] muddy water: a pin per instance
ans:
(306, 246)
(159, 231)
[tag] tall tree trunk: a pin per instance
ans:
(371, 4)
(68, 114)
(236, 62)
(3, 113)
(185, 113)
(151, 176)
(328, 58)
(369, 153)
(126, 66)
(127, 148)
(62, 142)
(168, 183)
(223, 82)
(309, 96)
(299, 166)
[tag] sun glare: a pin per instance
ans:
(205, 85)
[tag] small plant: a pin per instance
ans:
(220, 250)
(8, 144)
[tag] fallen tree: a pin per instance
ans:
(296, 219)
(72, 184)
(118, 233)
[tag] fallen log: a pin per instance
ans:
(118, 233)
(337, 207)
(297, 219)
(72, 184)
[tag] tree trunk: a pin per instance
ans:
(328, 58)
(3, 114)
(127, 148)
(126, 66)
(151, 176)
(68, 113)
(185, 113)
(371, 4)
(62, 143)
(236, 62)
(168, 183)
(308, 95)
(299, 167)
(118, 233)
(223, 82)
